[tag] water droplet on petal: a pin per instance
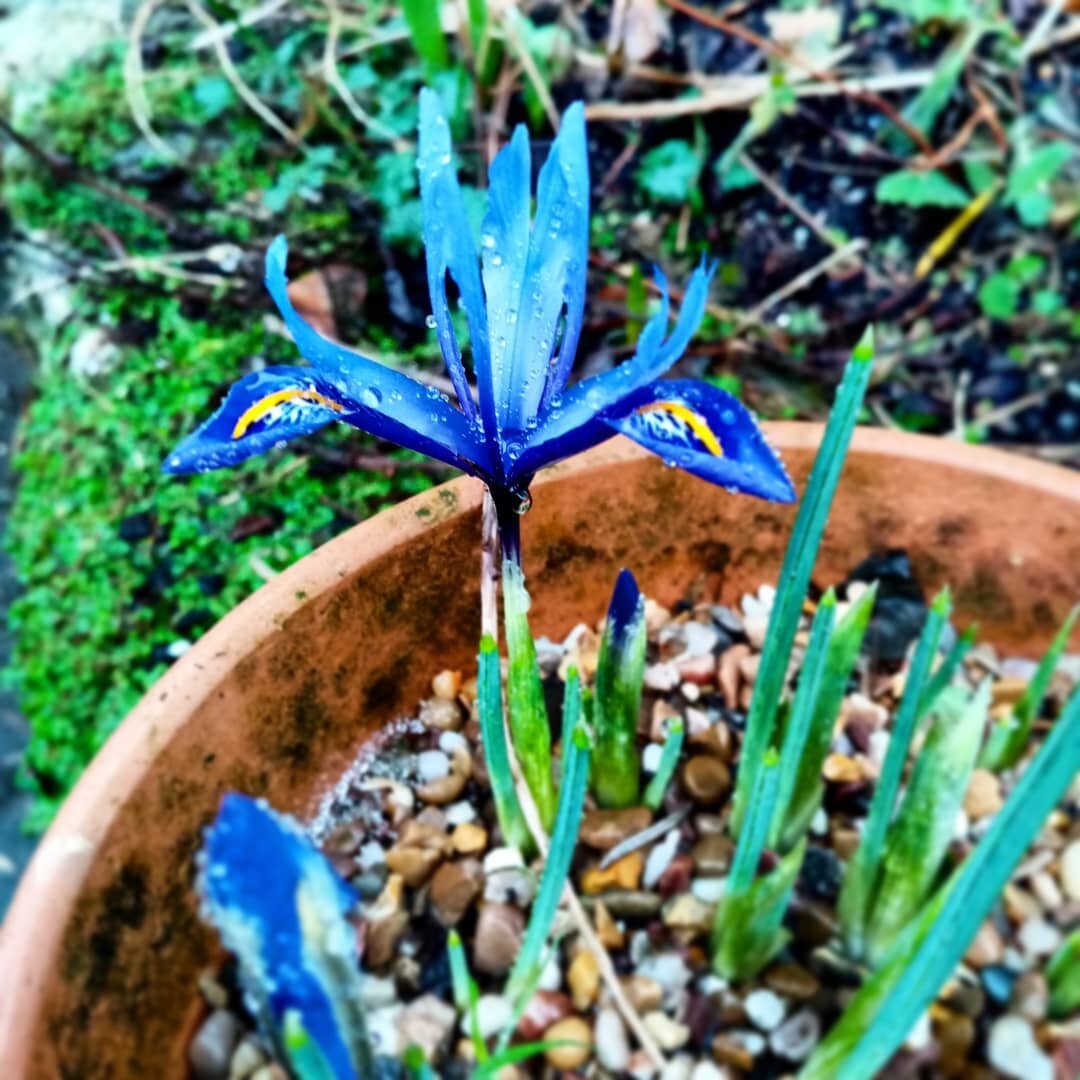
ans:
(431, 322)
(370, 397)
(487, 240)
(728, 416)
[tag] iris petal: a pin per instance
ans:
(504, 248)
(553, 289)
(449, 248)
(387, 403)
(259, 412)
(565, 428)
(256, 913)
(709, 433)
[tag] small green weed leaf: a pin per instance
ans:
(1063, 976)
(912, 188)
(999, 296)
(425, 29)
(669, 172)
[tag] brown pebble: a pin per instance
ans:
(215, 995)
(729, 1051)
(381, 938)
(716, 740)
(632, 903)
(712, 855)
(418, 833)
(841, 769)
(446, 685)
(583, 978)
(845, 841)
(676, 877)
(545, 1008)
(211, 1049)
(246, 1059)
(441, 714)
(499, 931)
(1067, 1056)
(792, 981)
(603, 829)
(955, 1036)
(577, 1034)
(688, 913)
(1008, 691)
(607, 930)
(644, 993)
(1030, 996)
(706, 779)
(469, 838)
(449, 787)
(983, 797)
(986, 948)
(624, 873)
(453, 890)
(815, 924)
(415, 865)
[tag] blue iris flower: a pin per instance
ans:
(280, 907)
(523, 297)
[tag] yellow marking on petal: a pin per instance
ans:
(695, 421)
(253, 413)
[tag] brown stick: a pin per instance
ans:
(782, 52)
(64, 171)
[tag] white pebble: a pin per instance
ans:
(1013, 1051)
(709, 889)
(612, 1045)
(819, 823)
(878, 746)
(668, 969)
(690, 691)
(764, 1009)
(650, 757)
(680, 1067)
(502, 858)
(697, 722)
(661, 677)
(493, 1013)
(432, 765)
(1070, 870)
(551, 978)
(1038, 937)
(920, 1034)
(370, 856)
(460, 813)
(383, 1031)
(449, 741)
(752, 1042)
(708, 1070)
(376, 992)
(670, 1034)
(797, 1036)
(659, 858)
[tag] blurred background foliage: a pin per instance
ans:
(910, 162)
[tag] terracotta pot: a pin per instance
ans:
(101, 950)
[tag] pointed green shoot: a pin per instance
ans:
(947, 669)
(747, 931)
(306, 1060)
(528, 967)
(1009, 737)
(919, 838)
(795, 573)
(797, 729)
(496, 753)
(844, 647)
(416, 1065)
(1063, 977)
(466, 993)
(885, 1009)
(528, 712)
(617, 703)
(669, 761)
(863, 872)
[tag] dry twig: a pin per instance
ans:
(236, 80)
(790, 56)
(333, 79)
(134, 81)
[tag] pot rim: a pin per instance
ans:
(29, 947)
